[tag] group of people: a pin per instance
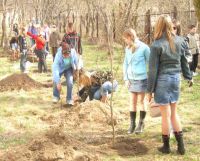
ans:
(152, 72)
(38, 43)
(168, 56)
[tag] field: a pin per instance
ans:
(32, 128)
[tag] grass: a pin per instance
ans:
(20, 112)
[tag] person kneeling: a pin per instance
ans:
(96, 85)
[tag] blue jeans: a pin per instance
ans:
(69, 80)
(105, 89)
(23, 60)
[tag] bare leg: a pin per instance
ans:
(133, 101)
(175, 118)
(166, 114)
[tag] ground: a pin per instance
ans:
(32, 128)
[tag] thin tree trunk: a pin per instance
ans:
(4, 38)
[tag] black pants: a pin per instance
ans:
(54, 51)
(194, 63)
(42, 65)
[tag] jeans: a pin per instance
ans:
(105, 89)
(69, 80)
(23, 60)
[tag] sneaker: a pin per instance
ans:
(70, 103)
(55, 100)
(25, 72)
(195, 74)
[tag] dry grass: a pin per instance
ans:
(21, 112)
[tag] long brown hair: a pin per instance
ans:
(164, 25)
(130, 33)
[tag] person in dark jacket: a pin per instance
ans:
(193, 40)
(167, 60)
(72, 38)
(54, 41)
(14, 47)
(23, 50)
(177, 31)
(15, 29)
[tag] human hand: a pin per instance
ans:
(190, 83)
(59, 87)
(149, 97)
(127, 84)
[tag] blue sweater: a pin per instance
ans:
(59, 66)
(135, 64)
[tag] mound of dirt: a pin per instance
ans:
(52, 146)
(86, 114)
(18, 82)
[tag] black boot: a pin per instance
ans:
(132, 124)
(180, 144)
(165, 148)
(140, 127)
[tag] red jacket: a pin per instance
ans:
(40, 42)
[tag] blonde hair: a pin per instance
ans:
(85, 79)
(164, 25)
(130, 33)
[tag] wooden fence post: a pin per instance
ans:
(114, 25)
(97, 24)
(175, 13)
(81, 25)
(148, 27)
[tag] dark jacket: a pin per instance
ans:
(74, 40)
(163, 61)
(54, 39)
(22, 43)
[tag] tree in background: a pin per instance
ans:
(197, 7)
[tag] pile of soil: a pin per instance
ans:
(85, 115)
(53, 145)
(18, 82)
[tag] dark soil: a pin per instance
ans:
(130, 147)
(18, 82)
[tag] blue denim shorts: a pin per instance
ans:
(167, 89)
(138, 86)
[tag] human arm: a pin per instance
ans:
(153, 67)
(31, 35)
(55, 68)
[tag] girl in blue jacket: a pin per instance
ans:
(65, 63)
(135, 76)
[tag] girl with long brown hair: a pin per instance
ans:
(167, 60)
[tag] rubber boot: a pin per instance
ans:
(132, 123)
(166, 147)
(140, 126)
(180, 144)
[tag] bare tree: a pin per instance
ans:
(197, 7)
(4, 38)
